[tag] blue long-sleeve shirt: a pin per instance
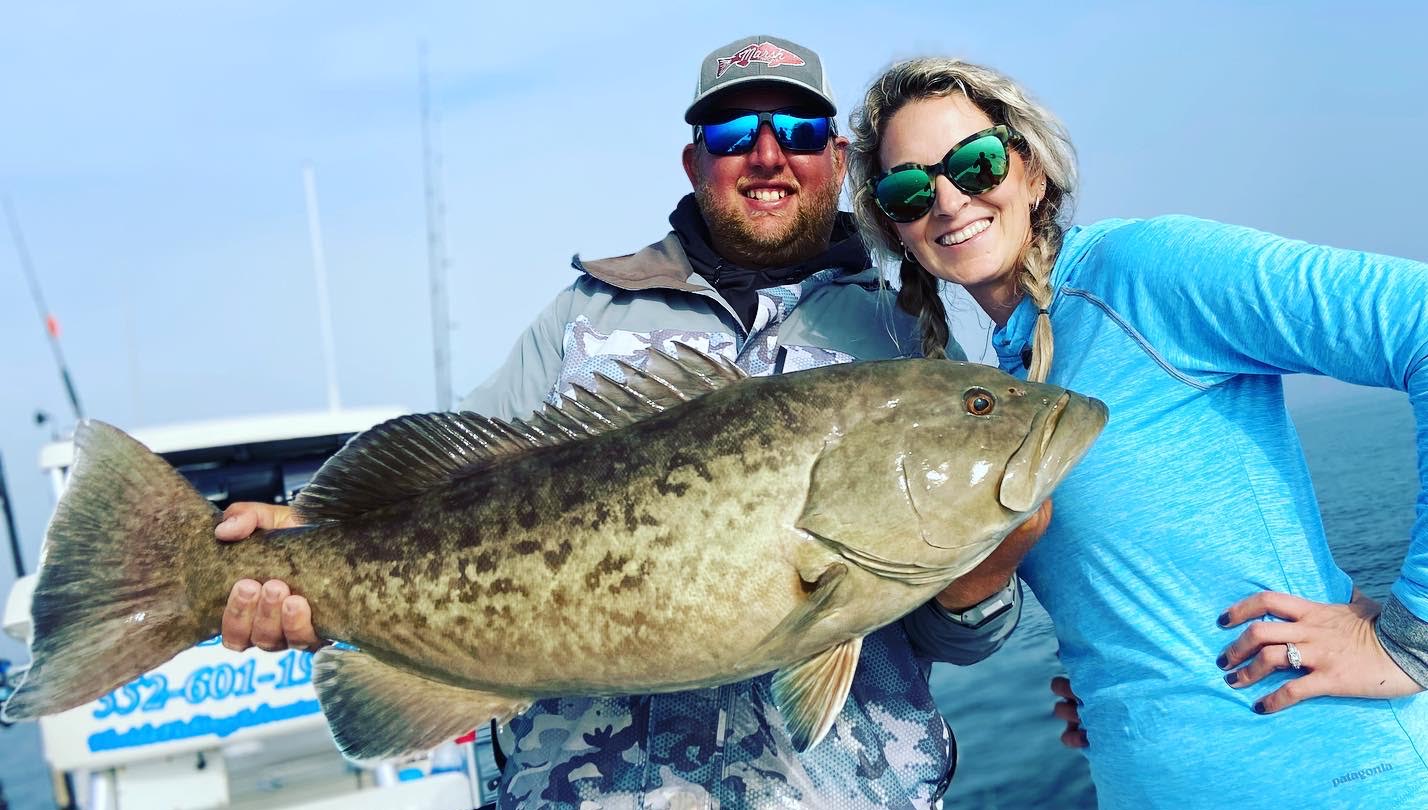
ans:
(1197, 495)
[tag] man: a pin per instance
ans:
(762, 269)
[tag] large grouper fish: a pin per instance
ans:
(684, 528)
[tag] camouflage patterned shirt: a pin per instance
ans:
(725, 747)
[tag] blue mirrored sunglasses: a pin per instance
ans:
(736, 135)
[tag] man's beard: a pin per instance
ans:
(803, 237)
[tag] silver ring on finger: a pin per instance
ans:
(1296, 661)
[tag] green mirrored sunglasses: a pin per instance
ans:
(976, 164)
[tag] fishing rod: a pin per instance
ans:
(50, 321)
(10, 524)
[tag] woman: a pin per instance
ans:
(1193, 516)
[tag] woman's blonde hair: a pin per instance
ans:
(1046, 149)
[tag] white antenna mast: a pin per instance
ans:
(435, 245)
(319, 272)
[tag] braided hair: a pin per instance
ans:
(1046, 148)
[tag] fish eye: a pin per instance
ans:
(979, 401)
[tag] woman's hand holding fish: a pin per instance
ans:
(263, 615)
(1338, 651)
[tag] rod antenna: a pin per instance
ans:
(51, 323)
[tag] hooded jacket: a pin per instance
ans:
(726, 746)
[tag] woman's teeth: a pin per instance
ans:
(958, 237)
(766, 194)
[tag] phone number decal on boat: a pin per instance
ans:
(205, 697)
(218, 682)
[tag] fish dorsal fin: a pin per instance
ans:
(409, 455)
(691, 374)
(810, 694)
(406, 456)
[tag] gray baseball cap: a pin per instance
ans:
(760, 59)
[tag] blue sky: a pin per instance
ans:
(153, 152)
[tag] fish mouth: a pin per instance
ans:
(1059, 436)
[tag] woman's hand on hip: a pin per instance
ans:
(1338, 652)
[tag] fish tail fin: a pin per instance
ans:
(118, 586)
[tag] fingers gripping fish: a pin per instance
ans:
(683, 528)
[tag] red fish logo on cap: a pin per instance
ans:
(766, 52)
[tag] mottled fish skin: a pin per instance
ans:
(656, 557)
(613, 564)
(768, 525)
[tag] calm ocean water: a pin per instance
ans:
(1360, 450)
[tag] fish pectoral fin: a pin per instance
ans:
(823, 599)
(811, 694)
(377, 711)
